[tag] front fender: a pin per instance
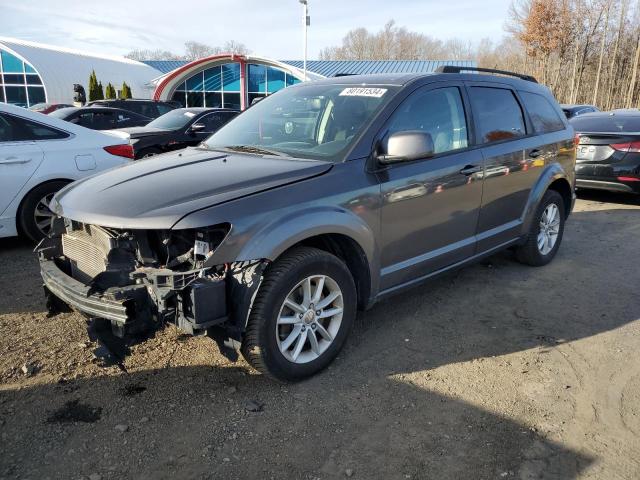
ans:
(550, 174)
(278, 236)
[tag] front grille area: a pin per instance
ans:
(87, 248)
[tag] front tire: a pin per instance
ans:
(301, 316)
(545, 233)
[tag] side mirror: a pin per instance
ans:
(406, 146)
(198, 127)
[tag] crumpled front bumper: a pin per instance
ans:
(150, 298)
(120, 309)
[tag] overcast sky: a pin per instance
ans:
(272, 28)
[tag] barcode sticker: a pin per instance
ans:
(201, 248)
(363, 92)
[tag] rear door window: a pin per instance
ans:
(497, 113)
(542, 114)
(15, 129)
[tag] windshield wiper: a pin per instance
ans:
(253, 149)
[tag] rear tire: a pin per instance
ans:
(34, 216)
(301, 316)
(545, 234)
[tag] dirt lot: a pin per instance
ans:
(496, 371)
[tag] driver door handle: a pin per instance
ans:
(471, 169)
(13, 160)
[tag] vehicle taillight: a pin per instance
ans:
(633, 147)
(120, 150)
(576, 140)
(628, 179)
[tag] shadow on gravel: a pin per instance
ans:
(200, 421)
(20, 283)
(188, 420)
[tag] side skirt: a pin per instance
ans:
(475, 258)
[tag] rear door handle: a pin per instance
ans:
(535, 153)
(471, 169)
(12, 160)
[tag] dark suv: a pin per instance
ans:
(316, 202)
(146, 108)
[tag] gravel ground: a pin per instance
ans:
(495, 371)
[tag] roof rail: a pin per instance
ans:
(457, 69)
(343, 74)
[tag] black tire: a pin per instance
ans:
(148, 152)
(260, 342)
(26, 212)
(529, 253)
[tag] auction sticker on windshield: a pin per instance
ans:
(363, 92)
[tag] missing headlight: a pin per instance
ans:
(188, 249)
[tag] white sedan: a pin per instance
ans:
(38, 156)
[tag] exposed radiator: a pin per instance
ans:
(87, 248)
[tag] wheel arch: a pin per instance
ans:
(27, 193)
(552, 178)
(336, 231)
(351, 253)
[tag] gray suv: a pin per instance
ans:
(315, 203)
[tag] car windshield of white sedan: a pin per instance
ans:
(309, 121)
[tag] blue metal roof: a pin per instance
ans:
(329, 68)
(165, 66)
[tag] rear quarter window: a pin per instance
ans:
(543, 115)
(497, 113)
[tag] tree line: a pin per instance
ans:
(192, 51)
(96, 92)
(586, 51)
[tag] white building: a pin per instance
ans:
(31, 72)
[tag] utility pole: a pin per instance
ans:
(306, 22)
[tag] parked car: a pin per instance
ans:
(48, 107)
(147, 108)
(608, 156)
(177, 129)
(38, 156)
(571, 111)
(101, 118)
(320, 199)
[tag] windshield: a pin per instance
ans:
(173, 120)
(311, 121)
(607, 122)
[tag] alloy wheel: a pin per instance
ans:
(42, 215)
(309, 319)
(549, 228)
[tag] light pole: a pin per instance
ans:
(306, 23)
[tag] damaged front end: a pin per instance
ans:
(141, 279)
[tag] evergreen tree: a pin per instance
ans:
(93, 86)
(100, 92)
(126, 91)
(110, 92)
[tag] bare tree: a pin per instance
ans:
(195, 50)
(145, 54)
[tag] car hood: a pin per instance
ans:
(157, 192)
(139, 132)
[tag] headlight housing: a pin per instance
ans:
(187, 249)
